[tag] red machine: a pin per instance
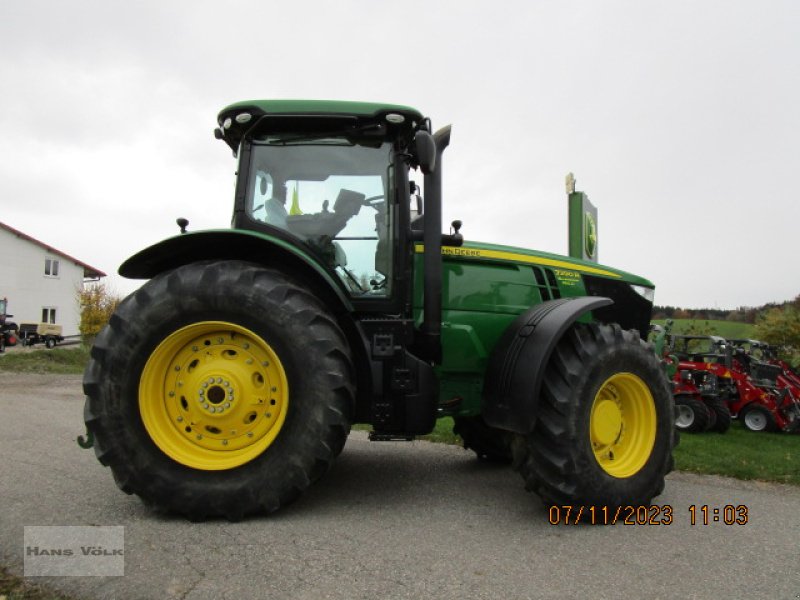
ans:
(8, 330)
(755, 392)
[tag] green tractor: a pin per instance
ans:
(228, 383)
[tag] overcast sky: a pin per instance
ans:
(680, 119)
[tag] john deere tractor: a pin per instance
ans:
(227, 384)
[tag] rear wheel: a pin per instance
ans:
(487, 442)
(755, 417)
(691, 414)
(723, 415)
(219, 389)
(605, 427)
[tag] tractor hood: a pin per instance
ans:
(564, 265)
(494, 279)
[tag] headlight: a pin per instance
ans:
(647, 293)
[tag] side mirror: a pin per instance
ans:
(425, 150)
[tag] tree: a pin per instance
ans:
(781, 327)
(98, 302)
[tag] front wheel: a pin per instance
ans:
(605, 428)
(691, 414)
(755, 417)
(219, 389)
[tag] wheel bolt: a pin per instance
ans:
(249, 434)
(249, 361)
(177, 367)
(245, 345)
(224, 442)
(265, 363)
(199, 437)
(180, 419)
(227, 405)
(172, 394)
(195, 348)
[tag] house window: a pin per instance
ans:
(49, 315)
(51, 267)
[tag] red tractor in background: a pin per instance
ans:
(780, 409)
(699, 395)
(754, 391)
(8, 329)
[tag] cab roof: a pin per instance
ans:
(236, 119)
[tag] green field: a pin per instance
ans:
(726, 329)
(59, 360)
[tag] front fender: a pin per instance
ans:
(519, 359)
(234, 244)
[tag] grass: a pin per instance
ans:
(59, 360)
(741, 454)
(726, 329)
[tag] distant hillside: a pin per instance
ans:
(726, 329)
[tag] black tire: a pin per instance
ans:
(310, 347)
(50, 343)
(722, 414)
(755, 417)
(558, 460)
(488, 443)
(691, 414)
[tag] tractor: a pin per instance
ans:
(228, 383)
(699, 396)
(779, 409)
(8, 329)
(749, 387)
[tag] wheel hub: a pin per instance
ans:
(622, 425)
(607, 422)
(213, 395)
(685, 416)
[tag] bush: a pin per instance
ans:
(98, 303)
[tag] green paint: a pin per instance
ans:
(482, 296)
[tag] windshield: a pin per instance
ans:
(331, 193)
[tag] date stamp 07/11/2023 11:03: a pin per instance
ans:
(664, 514)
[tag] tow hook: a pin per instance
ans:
(87, 441)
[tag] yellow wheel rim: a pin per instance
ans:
(622, 425)
(213, 395)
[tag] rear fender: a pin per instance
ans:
(229, 244)
(518, 362)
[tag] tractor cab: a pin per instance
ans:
(331, 178)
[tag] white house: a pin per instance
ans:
(40, 282)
